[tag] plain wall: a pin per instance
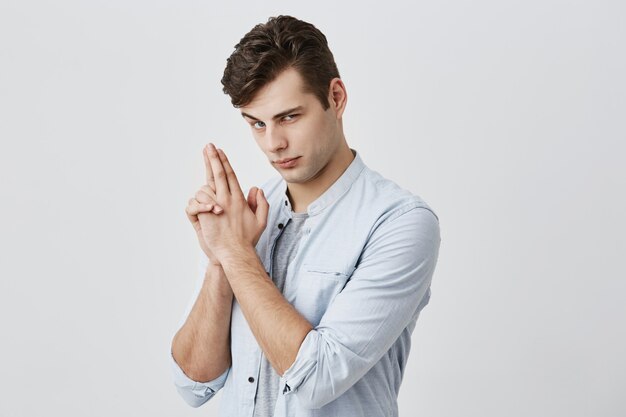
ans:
(507, 117)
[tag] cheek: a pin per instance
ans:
(315, 132)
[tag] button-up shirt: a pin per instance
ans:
(361, 276)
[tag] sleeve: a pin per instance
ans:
(193, 392)
(386, 291)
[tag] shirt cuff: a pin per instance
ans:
(202, 391)
(301, 368)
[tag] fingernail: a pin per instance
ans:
(218, 209)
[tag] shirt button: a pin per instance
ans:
(280, 225)
(250, 379)
(285, 202)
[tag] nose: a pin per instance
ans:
(275, 137)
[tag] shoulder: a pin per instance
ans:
(386, 197)
(402, 225)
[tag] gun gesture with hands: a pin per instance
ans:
(222, 218)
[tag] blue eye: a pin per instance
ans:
(255, 125)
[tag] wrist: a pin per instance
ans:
(214, 268)
(214, 263)
(231, 251)
(237, 256)
(216, 278)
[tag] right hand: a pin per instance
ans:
(204, 204)
(193, 209)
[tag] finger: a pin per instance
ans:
(262, 209)
(207, 166)
(233, 183)
(209, 190)
(252, 199)
(219, 175)
(194, 207)
(204, 197)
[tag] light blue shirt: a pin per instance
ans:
(361, 276)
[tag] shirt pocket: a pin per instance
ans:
(316, 290)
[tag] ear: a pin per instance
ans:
(337, 97)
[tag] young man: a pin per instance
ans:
(312, 285)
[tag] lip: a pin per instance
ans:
(287, 163)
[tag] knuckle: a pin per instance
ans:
(201, 197)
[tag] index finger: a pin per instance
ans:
(210, 181)
(221, 182)
(233, 182)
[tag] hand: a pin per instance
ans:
(203, 204)
(243, 220)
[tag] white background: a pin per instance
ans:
(507, 117)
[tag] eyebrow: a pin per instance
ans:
(278, 116)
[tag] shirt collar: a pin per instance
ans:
(336, 190)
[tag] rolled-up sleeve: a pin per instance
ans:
(193, 392)
(386, 291)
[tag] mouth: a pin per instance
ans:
(287, 163)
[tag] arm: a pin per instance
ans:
(232, 235)
(385, 293)
(276, 325)
(201, 348)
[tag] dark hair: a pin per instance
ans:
(269, 49)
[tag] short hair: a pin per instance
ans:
(268, 49)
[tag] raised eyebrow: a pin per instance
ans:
(278, 116)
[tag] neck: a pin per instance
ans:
(301, 195)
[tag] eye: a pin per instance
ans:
(290, 117)
(255, 125)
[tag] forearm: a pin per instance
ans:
(202, 345)
(276, 324)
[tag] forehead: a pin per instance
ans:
(286, 91)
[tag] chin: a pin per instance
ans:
(293, 177)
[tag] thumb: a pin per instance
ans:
(252, 198)
(262, 207)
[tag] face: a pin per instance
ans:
(299, 137)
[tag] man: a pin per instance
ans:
(312, 285)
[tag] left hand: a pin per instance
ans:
(243, 220)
